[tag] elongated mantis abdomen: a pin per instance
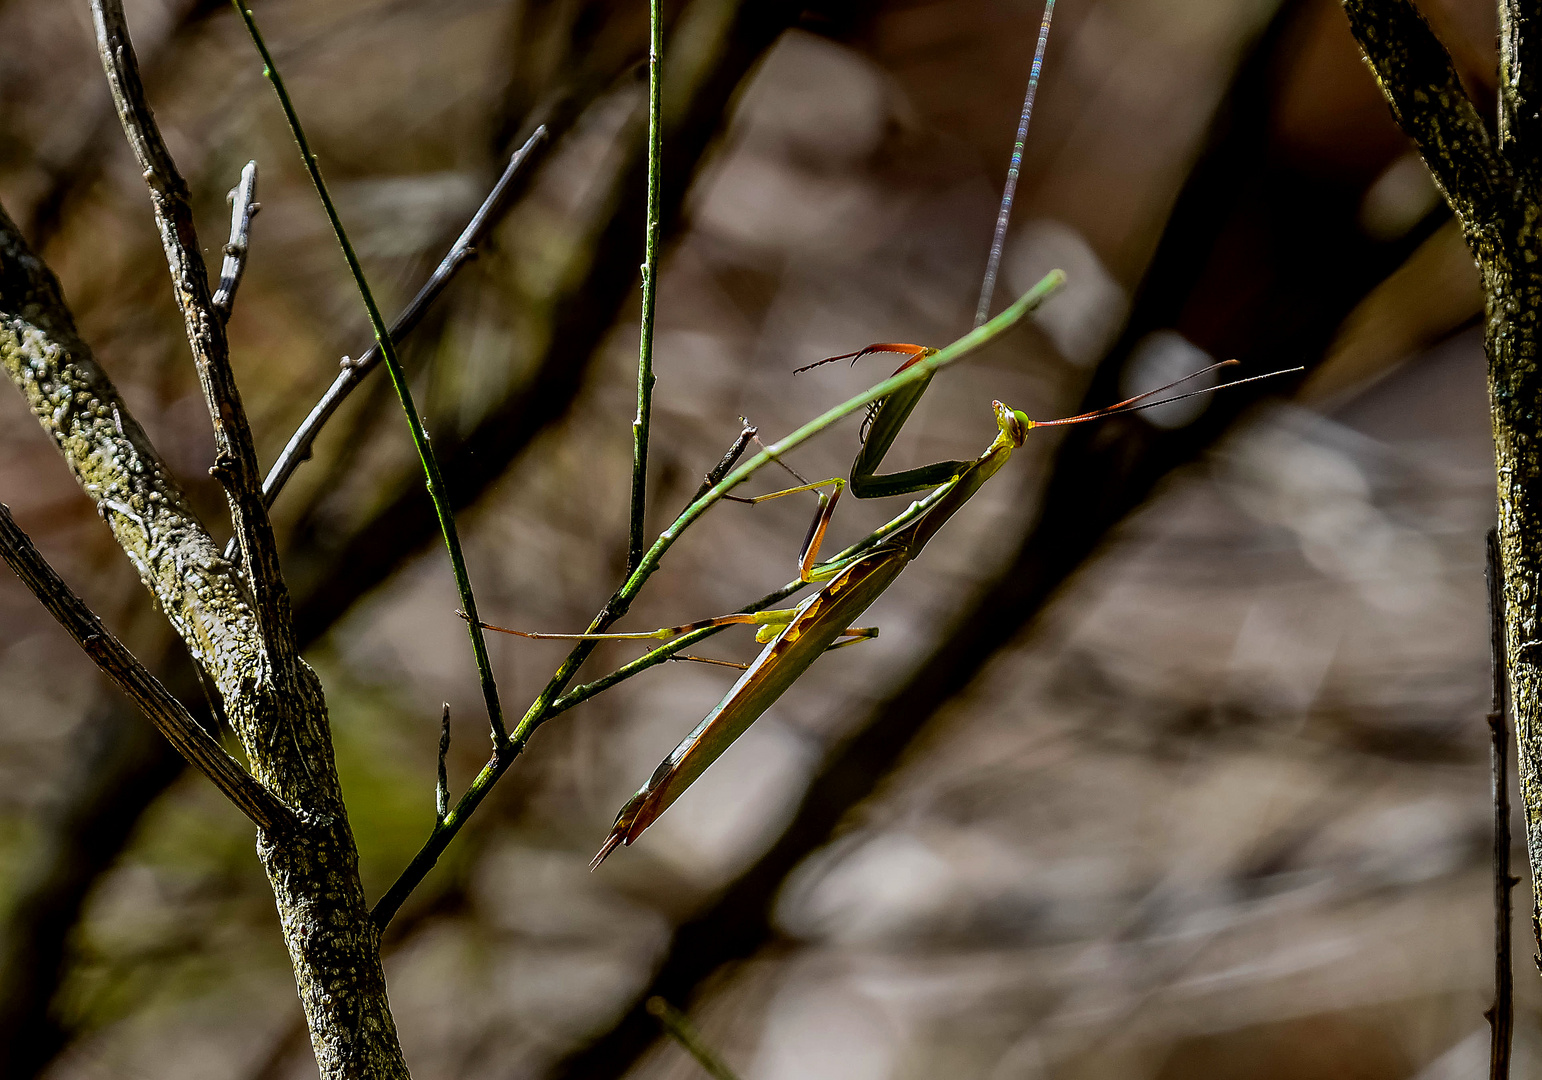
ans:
(815, 625)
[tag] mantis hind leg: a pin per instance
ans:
(853, 635)
(777, 619)
(808, 554)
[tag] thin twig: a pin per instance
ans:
(1501, 1015)
(243, 207)
(542, 708)
(729, 459)
(650, 270)
(465, 249)
(442, 788)
(434, 480)
(680, 1028)
(982, 310)
(189, 739)
(235, 458)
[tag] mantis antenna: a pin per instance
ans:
(1139, 401)
(988, 288)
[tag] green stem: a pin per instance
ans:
(432, 476)
(650, 268)
(549, 702)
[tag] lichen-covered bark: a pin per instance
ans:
(332, 941)
(1513, 336)
(114, 463)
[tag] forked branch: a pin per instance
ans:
(116, 466)
(168, 715)
(1420, 83)
(235, 458)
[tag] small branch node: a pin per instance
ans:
(243, 207)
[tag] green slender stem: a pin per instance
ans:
(650, 269)
(680, 1028)
(545, 704)
(432, 476)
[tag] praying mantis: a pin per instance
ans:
(795, 637)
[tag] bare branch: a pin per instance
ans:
(243, 207)
(729, 459)
(1428, 101)
(1501, 1015)
(497, 203)
(442, 788)
(235, 458)
(283, 728)
(154, 700)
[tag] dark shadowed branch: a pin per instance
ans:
(1520, 83)
(1501, 1015)
(1493, 189)
(120, 765)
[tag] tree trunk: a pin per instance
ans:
(1490, 172)
(333, 943)
(1513, 339)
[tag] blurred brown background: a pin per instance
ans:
(1170, 760)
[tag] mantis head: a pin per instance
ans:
(1014, 425)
